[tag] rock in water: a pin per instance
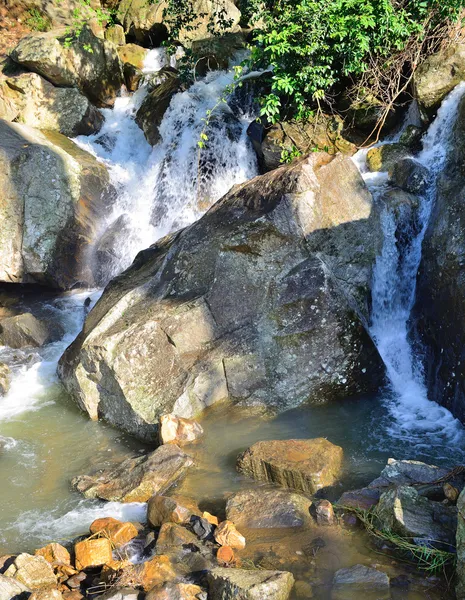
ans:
(360, 582)
(165, 509)
(306, 465)
(90, 63)
(240, 584)
(137, 479)
(56, 195)
(22, 331)
(259, 508)
(177, 430)
(263, 300)
(4, 379)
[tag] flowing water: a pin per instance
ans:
(46, 440)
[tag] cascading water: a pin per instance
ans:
(412, 417)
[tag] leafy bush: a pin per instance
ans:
(37, 21)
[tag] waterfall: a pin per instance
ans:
(412, 417)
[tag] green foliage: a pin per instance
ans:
(80, 16)
(37, 21)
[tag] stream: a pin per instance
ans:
(47, 440)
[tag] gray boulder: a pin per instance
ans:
(240, 584)
(56, 197)
(410, 175)
(23, 330)
(407, 472)
(263, 300)
(360, 582)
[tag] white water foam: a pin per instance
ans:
(413, 417)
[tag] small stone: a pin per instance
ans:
(178, 430)
(76, 580)
(225, 556)
(155, 571)
(173, 536)
(93, 553)
(323, 512)
(54, 553)
(360, 581)
(201, 527)
(175, 591)
(303, 590)
(210, 518)
(165, 509)
(32, 571)
(118, 533)
(226, 534)
(451, 492)
(241, 584)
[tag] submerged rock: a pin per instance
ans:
(259, 508)
(306, 465)
(57, 195)
(360, 581)
(240, 584)
(137, 479)
(263, 300)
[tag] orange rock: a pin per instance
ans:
(74, 595)
(225, 555)
(179, 431)
(226, 534)
(113, 568)
(210, 518)
(175, 591)
(155, 571)
(54, 553)
(170, 509)
(92, 553)
(118, 532)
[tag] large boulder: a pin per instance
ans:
(89, 63)
(240, 584)
(136, 479)
(149, 25)
(51, 12)
(306, 465)
(263, 300)
(24, 330)
(440, 309)
(54, 196)
(30, 99)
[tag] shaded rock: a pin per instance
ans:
(54, 553)
(177, 430)
(438, 75)
(137, 479)
(41, 105)
(363, 116)
(411, 137)
(109, 251)
(165, 509)
(261, 508)
(34, 572)
(451, 492)
(24, 330)
(153, 108)
(306, 465)
(57, 195)
(75, 581)
(365, 498)
(226, 534)
(92, 553)
(46, 595)
(407, 472)
(201, 527)
(214, 53)
(117, 532)
(403, 511)
(121, 594)
(172, 537)
(323, 512)
(175, 591)
(383, 158)
(261, 301)
(226, 584)
(460, 545)
(410, 175)
(10, 589)
(115, 34)
(360, 580)
(4, 377)
(90, 63)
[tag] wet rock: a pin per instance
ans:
(34, 572)
(201, 527)
(23, 331)
(115, 34)
(226, 534)
(153, 108)
(360, 581)
(164, 509)
(411, 137)
(261, 508)
(306, 465)
(117, 532)
(57, 196)
(261, 301)
(39, 104)
(137, 479)
(90, 63)
(4, 377)
(410, 175)
(92, 553)
(403, 511)
(12, 590)
(54, 553)
(438, 75)
(172, 537)
(180, 431)
(383, 158)
(226, 584)
(175, 591)
(364, 499)
(323, 512)
(407, 472)
(109, 250)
